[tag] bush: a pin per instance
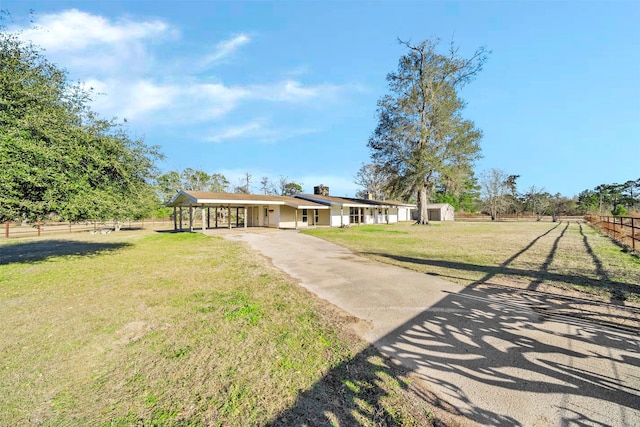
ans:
(619, 211)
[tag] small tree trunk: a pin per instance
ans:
(423, 213)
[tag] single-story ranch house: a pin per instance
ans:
(299, 211)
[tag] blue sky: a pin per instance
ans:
(290, 88)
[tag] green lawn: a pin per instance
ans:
(179, 329)
(566, 255)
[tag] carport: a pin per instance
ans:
(255, 210)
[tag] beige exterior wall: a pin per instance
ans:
(274, 215)
(288, 217)
(324, 217)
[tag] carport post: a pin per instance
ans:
(245, 217)
(208, 217)
(175, 220)
(191, 219)
(229, 215)
(180, 218)
(204, 228)
(216, 209)
(296, 218)
(341, 216)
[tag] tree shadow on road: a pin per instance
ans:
(35, 251)
(497, 359)
(478, 351)
(481, 338)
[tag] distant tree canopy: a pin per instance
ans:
(283, 186)
(57, 157)
(421, 140)
(168, 184)
(611, 199)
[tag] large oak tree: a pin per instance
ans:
(421, 138)
(56, 155)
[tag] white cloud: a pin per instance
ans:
(226, 48)
(191, 101)
(234, 132)
(92, 47)
(258, 130)
(74, 30)
(294, 91)
(131, 100)
(134, 78)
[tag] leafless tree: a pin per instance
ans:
(494, 187)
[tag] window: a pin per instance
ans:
(354, 216)
(316, 219)
(305, 216)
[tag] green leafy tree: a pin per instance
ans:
(421, 137)
(56, 155)
(195, 180)
(588, 202)
(292, 188)
(218, 183)
(463, 198)
(286, 187)
(168, 185)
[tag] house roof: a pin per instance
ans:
(204, 198)
(383, 202)
(350, 201)
(330, 200)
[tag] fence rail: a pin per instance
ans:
(464, 216)
(624, 229)
(17, 230)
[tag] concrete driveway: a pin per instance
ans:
(497, 361)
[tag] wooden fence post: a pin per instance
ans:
(6, 229)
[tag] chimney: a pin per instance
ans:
(321, 190)
(369, 196)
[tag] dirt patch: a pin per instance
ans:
(132, 332)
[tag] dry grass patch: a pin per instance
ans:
(177, 329)
(534, 255)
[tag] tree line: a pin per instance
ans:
(168, 184)
(614, 199)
